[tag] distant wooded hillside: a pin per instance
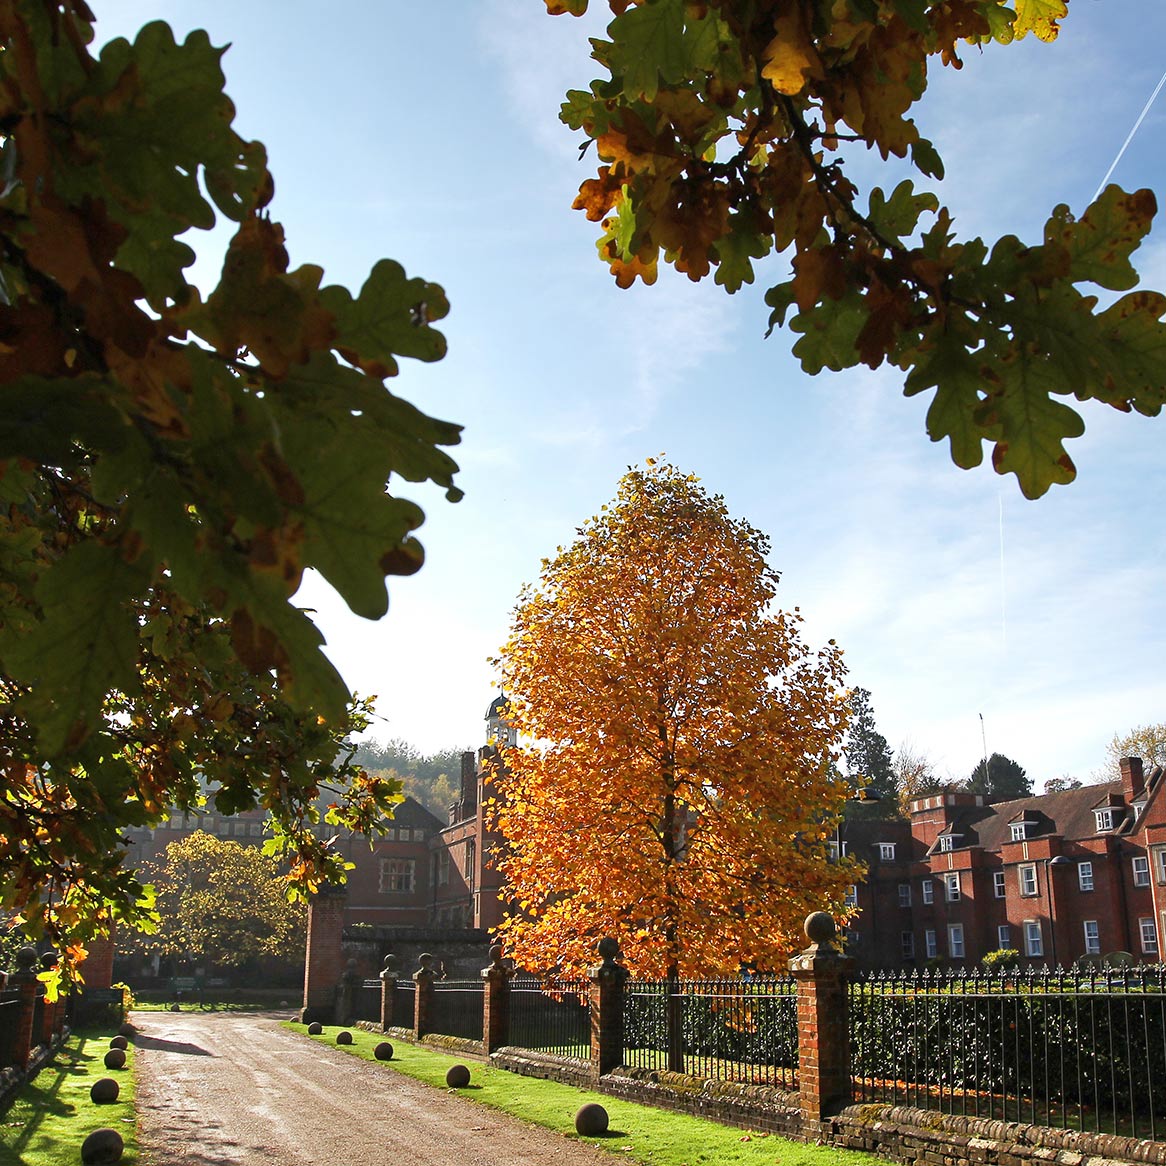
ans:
(432, 779)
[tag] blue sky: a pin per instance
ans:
(428, 132)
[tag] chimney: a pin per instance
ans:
(470, 785)
(1132, 781)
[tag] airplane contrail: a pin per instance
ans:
(1129, 137)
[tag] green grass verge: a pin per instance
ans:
(637, 1133)
(53, 1114)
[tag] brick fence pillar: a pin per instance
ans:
(388, 979)
(98, 967)
(323, 961)
(495, 1003)
(821, 972)
(49, 1027)
(423, 978)
(607, 984)
(25, 981)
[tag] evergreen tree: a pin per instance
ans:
(1000, 779)
(868, 760)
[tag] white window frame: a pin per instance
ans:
(1029, 883)
(1085, 876)
(930, 943)
(1034, 940)
(928, 889)
(886, 852)
(1003, 936)
(952, 891)
(852, 895)
(907, 944)
(999, 890)
(398, 876)
(1148, 930)
(904, 894)
(1140, 865)
(1106, 819)
(946, 843)
(1019, 831)
(955, 941)
(1092, 936)
(1160, 864)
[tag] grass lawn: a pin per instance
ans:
(637, 1133)
(53, 1114)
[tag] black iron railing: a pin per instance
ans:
(457, 1008)
(9, 1020)
(366, 1004)
(1079, 1050)
(552, 1016)
(728, 1030)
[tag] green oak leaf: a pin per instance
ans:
(736, 251)
(1101, 243)
(830, 333)
(897, 217)
(1131, 352)
(389, 318)
(78, 651)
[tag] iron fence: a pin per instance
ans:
(457, 1008)
(366, 1004)
(723, 1030)
(404, 1003)
(1079, 1050)
(9, 1021)
(552, 1016)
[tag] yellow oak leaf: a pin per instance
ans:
(1040, 17)
(790, 58)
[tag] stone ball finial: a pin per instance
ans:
(609, 949)
(819, 927)
(390, 963)
(496, 953)
(25, 959)
(48, 961)
(425, 960)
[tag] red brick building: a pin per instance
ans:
(1057, 877)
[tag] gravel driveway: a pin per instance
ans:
(228, 1088)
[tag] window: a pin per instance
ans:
(951, 886)
(1141, 865)
(998, 884)
(442, 868)
(1033, 943)
(907, 944)
(256, 829)
(1092, 937)
(397, 876)
(955, 940)
(930, 945)
(1149, 934)
(1160, 866)
(1003, 936)
(904, 894)
(852, 895)
(887, 851)
(1028, 884)
(946, 843)
(1085, 876)
(928, 891)
(240, 829)
(471, 863)
(1106, 819)
(1019, 831)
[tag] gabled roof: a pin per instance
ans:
(413, 814)
(1068, 813)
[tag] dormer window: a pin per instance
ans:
(946, 843)
(887, 851)
(1106, 818)
(1019, 831)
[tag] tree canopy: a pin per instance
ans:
(868, 758)
(222, 903)
(1145, 741)
(433, 779)
(677, 785)
(723, 129)
(171, 462)
(1000, 779)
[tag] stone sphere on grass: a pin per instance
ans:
(175, 1008)
(118, 1042)
(591, 1120)
(383, 1051)
(457, 1076)
(101, 1147)
(104, 1090)
(115, 1059)
(344, 1037)
(315, 1028)
(126, 1030)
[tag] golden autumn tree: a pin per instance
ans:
(677, 785)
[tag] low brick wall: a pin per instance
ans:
(914, 1137)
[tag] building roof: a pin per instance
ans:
(412, 813)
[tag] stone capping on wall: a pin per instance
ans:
(916, 1137)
